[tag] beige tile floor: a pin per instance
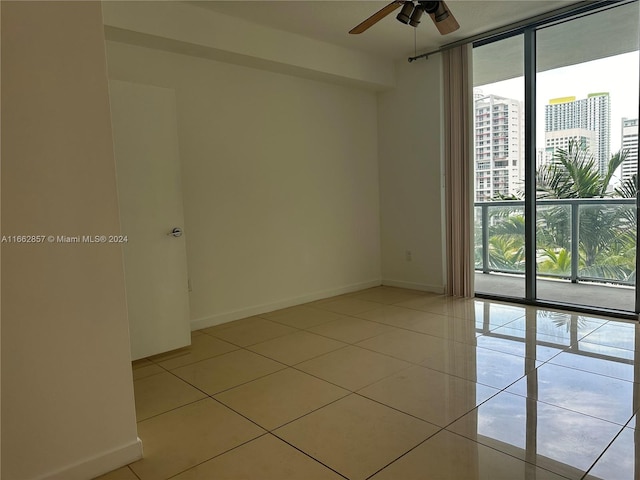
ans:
(392, 384)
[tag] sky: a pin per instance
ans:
(618, 75)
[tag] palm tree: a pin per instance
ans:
(558, 261)
(575, 174)
(607, 236)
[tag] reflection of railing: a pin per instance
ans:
(568, 324)
(590, 239)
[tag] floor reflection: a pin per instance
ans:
(550, 437)
(576, 396)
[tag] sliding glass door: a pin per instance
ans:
(556, 162)
(499, 166)
(586, 89)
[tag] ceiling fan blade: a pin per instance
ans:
(447, 25)
(376, 17)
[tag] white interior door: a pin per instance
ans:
(149, 190)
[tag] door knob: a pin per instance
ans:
(176, 232)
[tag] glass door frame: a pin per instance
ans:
(530, 204)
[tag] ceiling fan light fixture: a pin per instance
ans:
(414, 21)
(441, 14)
(405, 14)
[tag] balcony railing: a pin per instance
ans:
(586, 239)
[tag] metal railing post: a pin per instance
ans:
(485, 238)
(575, 240)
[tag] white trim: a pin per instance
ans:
(413, 286)
(99, 464)
(225, 317)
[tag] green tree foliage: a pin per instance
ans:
(607, 233)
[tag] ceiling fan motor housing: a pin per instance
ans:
(436, 8)
(411, 13)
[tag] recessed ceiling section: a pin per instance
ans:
(330, 21)
(182, 28)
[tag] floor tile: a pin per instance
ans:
(520, 343)
(602, 397)
(123, 473)
(450, 328)
(564, 327)
(487, 317)
(559, 440)
(616, 334)
(389, 295)
(405, 345)
(632, 422)
(160, 393)
(355, 436)
(398, 316)
(492, 368)
(147, 371)
(201, 348)
(226, 371)
(600, 359)
(489, 367)
(250, 331)
(620, 460)
(559, 341)
(350, 329)
(488, 314)
(361, 385)
(433, 396)
(265, 458)
(224, 326)
(447, 456)
(346, 305)
(302, 317)
(454, 306)
(281, 397)
(443, 326)
(296, 347)
(143, 362)
(352, 367)
(183, 438)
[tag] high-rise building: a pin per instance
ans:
(630, 145)
(499, 146)
(587, 121)
(561, 139)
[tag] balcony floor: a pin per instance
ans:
(584, 294)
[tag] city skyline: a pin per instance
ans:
(499, 151)
(630, 143)
(587, 120)
(618, 75)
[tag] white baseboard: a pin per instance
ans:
(413, 286)
(99, 464)
(225, 317)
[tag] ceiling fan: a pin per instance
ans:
(411, 13)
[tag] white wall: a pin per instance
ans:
(280, 182)
(67, 406)
(410, 144)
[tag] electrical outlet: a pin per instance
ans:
(407, 255)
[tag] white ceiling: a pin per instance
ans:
(330, 21)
